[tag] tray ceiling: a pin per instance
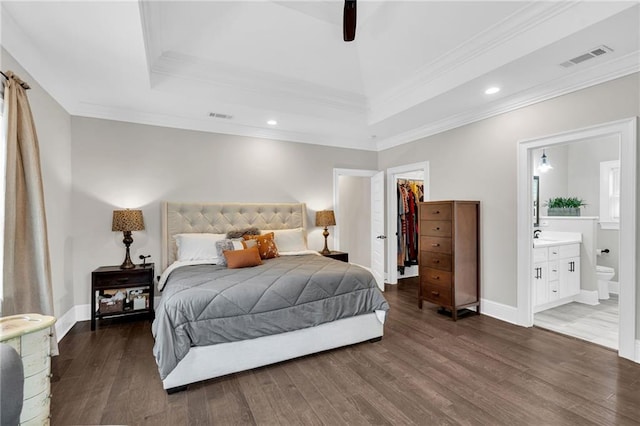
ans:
(416, 67)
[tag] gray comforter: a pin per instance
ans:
(208, 304)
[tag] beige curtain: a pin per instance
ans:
(27, 273)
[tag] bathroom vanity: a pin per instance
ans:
(556, 270)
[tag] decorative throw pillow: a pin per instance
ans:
(239, 233)
(198, 246)
(227, 244)
(266, 245)
(242, 258)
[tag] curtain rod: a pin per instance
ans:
(4, 75)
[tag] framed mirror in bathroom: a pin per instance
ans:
(536, 200)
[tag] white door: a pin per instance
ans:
(377, 228)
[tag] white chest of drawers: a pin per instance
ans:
(29, 335)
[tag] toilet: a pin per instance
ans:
(605, 274)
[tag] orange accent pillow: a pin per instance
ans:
(266, 245)
(242, 258)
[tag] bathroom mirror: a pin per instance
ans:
(536, 200)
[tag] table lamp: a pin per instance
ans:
(325, 218)
(127, 221)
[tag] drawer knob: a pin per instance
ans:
(436, 261)
(435, 293)
(436, 228)
(436, 212)
(435, 277)
(435, 245)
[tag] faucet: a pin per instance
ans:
(536, 233)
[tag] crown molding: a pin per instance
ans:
(582, 79)
(530, 26)
(136, 116)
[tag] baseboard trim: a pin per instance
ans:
(499, 311)
(70, 318)
(79, 313)
(588, 297)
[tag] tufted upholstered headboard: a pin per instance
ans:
(220, 218)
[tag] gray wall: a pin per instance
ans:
(478, 162)
(584, 178)
(120, 165)
(53, 125)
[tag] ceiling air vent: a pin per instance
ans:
(598, 51)
(220, 115)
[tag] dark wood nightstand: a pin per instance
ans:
(338, 255)
(136, 284)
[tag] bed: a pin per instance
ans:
(213, 320)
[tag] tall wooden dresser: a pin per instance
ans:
(30, 335)
(450, 255)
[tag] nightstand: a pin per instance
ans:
(338, 255)
(135, 284)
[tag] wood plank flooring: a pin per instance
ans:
(427, 370)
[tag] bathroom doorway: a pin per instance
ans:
(577, 246)
(624, 132)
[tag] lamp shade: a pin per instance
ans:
(127, 220)
(325, 218)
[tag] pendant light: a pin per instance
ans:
(544, 165)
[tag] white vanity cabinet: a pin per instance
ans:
(556, 275)
(30, 336)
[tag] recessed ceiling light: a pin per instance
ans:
(492, 90)
(272, 122)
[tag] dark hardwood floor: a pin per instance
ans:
(427, 370)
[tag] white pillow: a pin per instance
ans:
(198, 246)
(289, 239)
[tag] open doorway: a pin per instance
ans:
(359, 208)
(624, 132)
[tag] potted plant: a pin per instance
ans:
(564, 206)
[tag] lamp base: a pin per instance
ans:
(127, 264)
(325, 251)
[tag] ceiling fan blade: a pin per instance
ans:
(349, 22)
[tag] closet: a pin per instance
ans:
(410, 192)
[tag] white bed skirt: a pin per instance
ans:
(207, 362)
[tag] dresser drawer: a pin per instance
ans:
(36, 384)
(35, 363)
(36, 342)
(436, 260)
(435, 276)
(36, 407)
(436, 244)
(122, 279)
(41, 420)
(436, 293)
(435, 228)
(435, 211)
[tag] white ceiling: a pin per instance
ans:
(416, 67)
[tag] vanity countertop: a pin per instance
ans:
(556, 238)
